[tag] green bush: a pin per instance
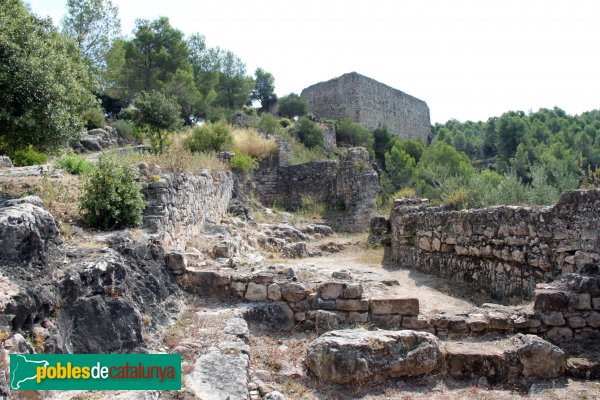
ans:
(128, 130)
(74, 164)
(350, 133)
(94, 118)
(285, 122)
(310, 135)
(243, 163)
(268, 124)
(209, 137)
(111, 198)
(28, 156)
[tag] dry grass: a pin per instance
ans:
(177, 158)
(60, 195)
(251, 142)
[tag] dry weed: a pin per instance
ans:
(251, 142)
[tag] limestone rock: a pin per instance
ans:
(539, 358)
(295, 250)
(176, 261)
(395, 305)
(256, 292)
(275, 315)
(293, 292)
(346, 356)
(5, 162)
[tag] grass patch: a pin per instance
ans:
(177, 158)
(252, 143)
(302, 154)
(74, 164)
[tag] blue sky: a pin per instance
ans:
(467, 59)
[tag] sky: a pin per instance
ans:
(468, 59)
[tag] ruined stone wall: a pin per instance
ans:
(371, 104)
(178, 204)
(504, 251)
(350, 185)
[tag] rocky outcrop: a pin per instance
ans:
(361, 356)
(97, 140)
(504, 251)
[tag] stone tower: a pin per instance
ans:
(371, 104)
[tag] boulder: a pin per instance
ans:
(176, 261)
(346, 356)
(274, 315)
(295, 250)
(469, 361)
(539, 358)
(5, 162)
(26, 234)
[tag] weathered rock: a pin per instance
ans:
(256, 292)
(550, 300)
(539, 358)
(5, 162)
(33, 200)
(583, 368)
(221, 374)
(274, 292)
(361, 356)
(275, 315)
(237, 327)
(26, 234)
(353, 291)
(560, 334)
(176, 261)
(470, 360)
(274, 395)
(295, 250)
(293, 292)
(331, 290)
(352, 305)
(225, 249)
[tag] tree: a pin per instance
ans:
(94, 24)
(183, 88)
(234, 87)
(159, 113)
(44, 83)
(292, 105)
(401, 167)
(152, 57)
(206, 66)
(264, 90)
(310, 135)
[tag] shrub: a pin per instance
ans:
(301, 154)
(458, 198)
(249, 141)
(243, 163)
(285, 122)
(94, 118)
(350, 133)
(405, 192)
(268, 124)
(74, 164)
(111, 197)
(160, 114)
(249, 111)
(28, 156)
(209, 137)
(310, 135)
(127, 130)
(292, 106)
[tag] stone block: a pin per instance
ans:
(499, 320)
(596, 303)
(256, 292)
(391, 321)
(550, 300)
(553, 319)
(395, 305)
(331, 290)
(274, 292)
(593, 320)
(293, 292)
(477, 322)
(576, 322)
(352, 305)
(560, 334)
(418, 323)
(358, 317)
(353, 291)
(299, 306)
(458, 325)
(176, 261)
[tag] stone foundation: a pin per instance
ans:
(178, 204)
(504, 251)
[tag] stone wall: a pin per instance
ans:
(350, 185)
(504, 251)
(371, 104)
(178, 204)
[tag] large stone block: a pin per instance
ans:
(360, 355)
(395, 305)
(550, 300)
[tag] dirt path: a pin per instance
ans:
(435, 294)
